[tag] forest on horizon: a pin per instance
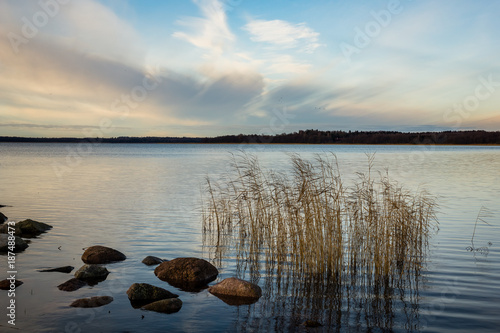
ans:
(311, 136)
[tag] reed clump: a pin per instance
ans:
(306, 221)
(326, 248)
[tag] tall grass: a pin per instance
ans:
(308, 225)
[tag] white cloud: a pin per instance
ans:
(284, 34)
(210, 32)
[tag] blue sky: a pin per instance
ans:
(206, 67)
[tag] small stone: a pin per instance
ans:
(187, 273)
(169, 305)
(92, 272)
(140, 294)
(236, 288)
(3, 218)
(101, 255)
(151, 260)
(6, 284)
(72, 285)
(92, 302)
(19, 244)
(63, 269)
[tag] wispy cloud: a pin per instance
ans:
(210, 32)
(284, 34)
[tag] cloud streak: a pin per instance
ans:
(210, 32)
(282, 34)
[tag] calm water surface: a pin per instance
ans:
(146, 200)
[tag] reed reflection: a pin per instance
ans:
(340, 256)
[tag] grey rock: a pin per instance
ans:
(19, 244)
(27, 228)
(92, 272)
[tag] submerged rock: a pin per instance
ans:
(27, 228)
(146, 293)
(72, 285)
(237, 288)
(170, 305)
(92, 302)
(151, 260)
(187, 273)
(32, 228)
(19, 244)
(3, 218)
(92, 273)
(7, 284)
(101, 255)
(63, 269)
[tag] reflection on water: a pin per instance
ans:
(338, 256)
(145, 200)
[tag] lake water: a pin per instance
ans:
(146, 200)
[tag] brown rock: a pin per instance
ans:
(92, 302)
(237, 288)
(147, 292)
(187, 273)
(170, 305)
(72, 285)
(101, 255)
(151, 260)
(6, 284)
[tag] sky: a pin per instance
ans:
(107, 68)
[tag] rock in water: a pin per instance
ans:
(63, 269)
(72, 285)
(19, 244)
(6, 284)
(101, 255)
(170, 305)
(92, 272)
(30, 228)
(187, 273)
(92, 302)
(3, 218)
(145, 292)
(150, 260)
(237, 288)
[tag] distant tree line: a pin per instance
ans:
(121, 139)
(361, 137)
(303, 137)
